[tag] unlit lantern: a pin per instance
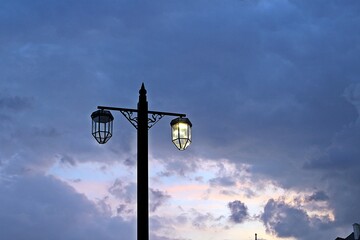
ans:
(102, 125)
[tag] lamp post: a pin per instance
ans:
(102, 127)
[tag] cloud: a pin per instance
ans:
(157, 198)
(125, 193)
(179, 167)
(239, 211)
(271, 84)
(338, 166)
(285, 220)
(46, 208)
(201, 220)
(222, 181)
(67, 160)
(318, 196)
(162, 227)
(123, 190)
(156, 237)
(15, 103)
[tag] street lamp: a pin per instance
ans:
(102, 128)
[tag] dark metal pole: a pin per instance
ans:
(142, 168)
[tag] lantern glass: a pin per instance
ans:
(102, 125)
(181, 132)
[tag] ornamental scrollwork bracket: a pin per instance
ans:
(154, 119)
(129, 116)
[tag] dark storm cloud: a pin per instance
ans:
(278, 93)
(43, 62)
(318, 196)
(39, 207)
(285, 220)
(239, 211)
(339, 167)
(271, 84)
(342, 154)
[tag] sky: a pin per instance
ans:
(272, 88)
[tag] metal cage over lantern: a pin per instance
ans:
(102, 125)
(181, 132)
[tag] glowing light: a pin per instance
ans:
(181, 132)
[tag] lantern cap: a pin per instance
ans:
(181, 120)
(102, 116)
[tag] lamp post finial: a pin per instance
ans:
(142, 89)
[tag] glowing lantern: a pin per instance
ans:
(181, 132)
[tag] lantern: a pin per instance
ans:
(102, 125)
(181, 132)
